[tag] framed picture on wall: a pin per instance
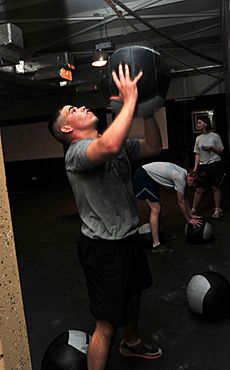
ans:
(198, 115)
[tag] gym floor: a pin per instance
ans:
(46, 228)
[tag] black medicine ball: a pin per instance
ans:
(208, 294)
(67, 352)
(199, 235)
(153, 85)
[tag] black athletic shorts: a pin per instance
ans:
(116, 272)
(145, 187)
(211, 174)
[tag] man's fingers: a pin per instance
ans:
(115, 78)
(121, 72)
(127, 71)
(124, 72)
(137, 78)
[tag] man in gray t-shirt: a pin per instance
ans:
(169, 175)
(113, 260)
(109, 212)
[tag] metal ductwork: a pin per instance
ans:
(11, 43)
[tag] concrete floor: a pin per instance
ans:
(46, 228)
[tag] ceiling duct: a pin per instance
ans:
(11, 43)
(47, 66)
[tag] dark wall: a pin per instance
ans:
(35, 174)
(180, 126)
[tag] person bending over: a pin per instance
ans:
(169, 175)
(114, 263)
(208, 150)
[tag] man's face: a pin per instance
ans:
(78, 118)
(190, 181)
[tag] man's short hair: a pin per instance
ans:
(193, 174)
(54, 126)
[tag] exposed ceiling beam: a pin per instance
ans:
(87, 29)
(200, 16)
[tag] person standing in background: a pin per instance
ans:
(208, 164)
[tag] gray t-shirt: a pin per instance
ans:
(104, 194)
(209, 139)
(167, 174)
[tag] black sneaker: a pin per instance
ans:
(162, 249)
(140, 350)
(166, 237)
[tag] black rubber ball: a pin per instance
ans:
(208, 294)
(153, 85)
(199, 235)
(67, 352)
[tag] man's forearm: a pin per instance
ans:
(183, 206)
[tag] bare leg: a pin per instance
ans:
(131, 334)
(99, 346)
(197, 197)
(155, 209)
(217, 195)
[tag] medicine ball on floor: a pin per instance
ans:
(208, 294)
(153, 85)
(67, 352)
(199, 235)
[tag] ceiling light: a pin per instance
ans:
(100, 58)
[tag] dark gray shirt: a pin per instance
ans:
(104, 194)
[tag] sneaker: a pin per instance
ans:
(140, 350)
(217, 213)
(194, 211)
(166, 237)
(162, 249)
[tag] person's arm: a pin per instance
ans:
(110, 143)
(185, 210)
(151, 145)
(213, 149)
(196, 162)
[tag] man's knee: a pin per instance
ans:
(200, 191)
(215, 189)
(105, 329)
(155, 207)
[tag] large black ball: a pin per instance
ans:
(154, 84)
(199, 235)
(208, 294)
(67, 352)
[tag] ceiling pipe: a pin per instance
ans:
(215, 67)
(208, 88)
